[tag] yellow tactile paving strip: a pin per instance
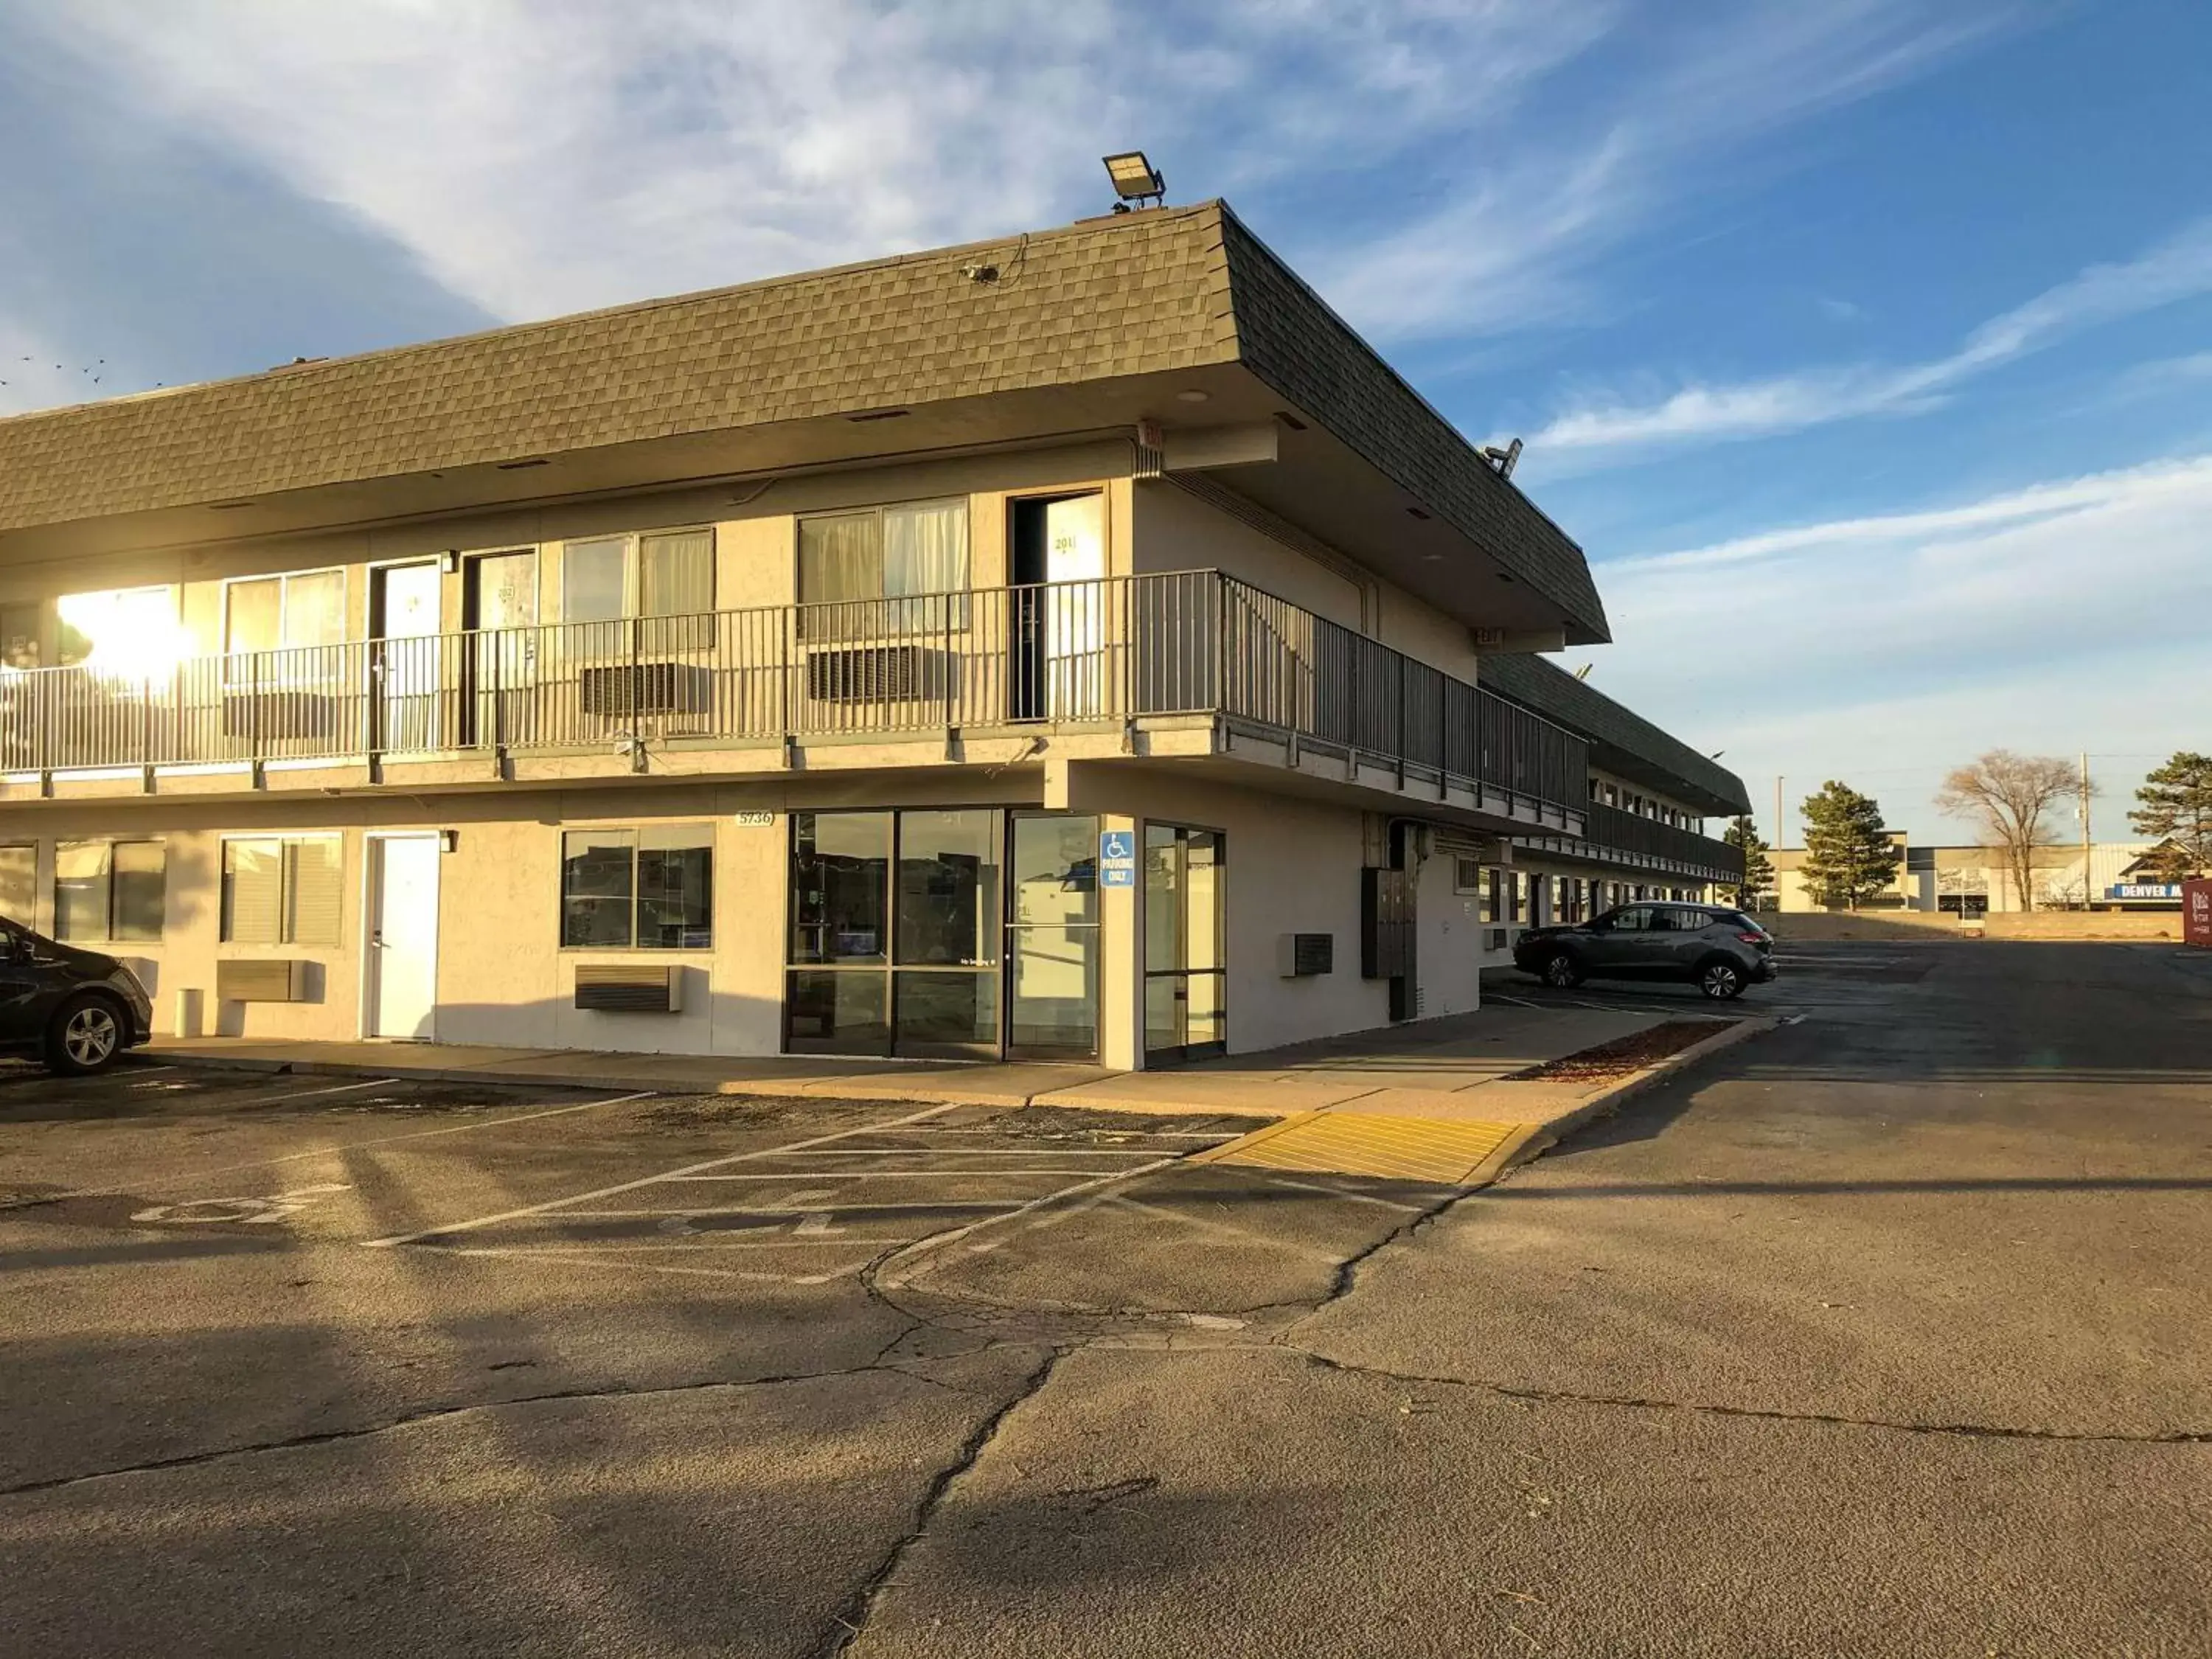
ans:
(1442, 1153)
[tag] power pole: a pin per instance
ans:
(2086, 888)
(1779, 828)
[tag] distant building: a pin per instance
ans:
(1976, 880)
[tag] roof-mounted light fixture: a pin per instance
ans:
(1135, 179)
(1503, 459)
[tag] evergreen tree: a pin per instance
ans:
(2177, 810)
(1758, 884)
(1848, 856)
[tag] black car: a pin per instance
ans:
(1720, 951)
(74, 1008)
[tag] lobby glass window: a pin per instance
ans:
(109, 890)
(649, 889)
(902, 924)
(1186, 985)
(283, 889)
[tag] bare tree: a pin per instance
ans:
(2009, 797)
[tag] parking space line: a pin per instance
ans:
(868, 1175)
(938, 1241)
(783, 1210)
(471, 1224)
(321, 1152)
(975, 1152)
(588, 1259)
(307, 1094)
(1350, 1198)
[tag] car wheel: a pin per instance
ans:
(1721, 979)
(1561, 971)
(86, 1036)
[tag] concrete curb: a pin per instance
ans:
(1537, 1138)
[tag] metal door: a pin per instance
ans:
(403, 936)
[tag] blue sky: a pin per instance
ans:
(1867, 346)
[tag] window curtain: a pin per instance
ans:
(676, 574)
(256, 612)
(314, 890)
(926, 551)
(592, 581)
(314, 609)
(140, 896)
(81, 889)
(841, 561)
(253, 892)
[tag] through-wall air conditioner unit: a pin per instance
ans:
(642, 688)
(238, 980)
(624, 987)
(866, 673)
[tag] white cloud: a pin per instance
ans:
(2179, 269)
(541, 157)
(2060, 616)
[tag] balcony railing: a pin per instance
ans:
(1611, 829)
(1053, 654)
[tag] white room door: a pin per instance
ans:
(403, 936)
(1075, 619)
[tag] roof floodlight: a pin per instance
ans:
(1135, 179)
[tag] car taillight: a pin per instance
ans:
(1752, 939)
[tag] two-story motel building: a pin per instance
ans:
(1082, 645)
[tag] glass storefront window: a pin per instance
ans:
(948, 888)
(829, 1012)
(906, 939)
(945, 1010)
(839, 866)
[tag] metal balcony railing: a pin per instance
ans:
(1609, 829)
(1058, 653)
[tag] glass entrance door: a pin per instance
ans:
(1186, 981)
(1052, 938)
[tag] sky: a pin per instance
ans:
(1866, 347)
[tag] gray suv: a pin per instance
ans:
(1720, 951)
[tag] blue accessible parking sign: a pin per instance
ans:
(1117, 858)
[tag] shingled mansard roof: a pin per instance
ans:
(1621, 741)
(1168, 290)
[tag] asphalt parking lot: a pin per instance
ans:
(1883, 1334)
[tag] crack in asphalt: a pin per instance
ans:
(442, 1413)
(850, 1625)
(1711, 1408)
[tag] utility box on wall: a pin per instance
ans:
(1304, 956)
(1386, 923)
(2196, 914)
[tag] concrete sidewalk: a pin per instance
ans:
(1445, 1086)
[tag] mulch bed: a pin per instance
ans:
(1622, 1055)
